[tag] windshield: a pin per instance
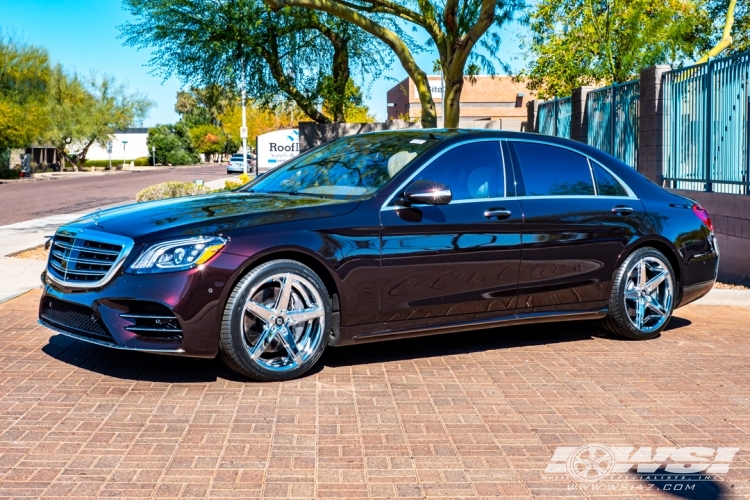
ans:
(350, 168)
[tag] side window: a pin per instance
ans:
(471, 171)
(552, 171)
(606, 184)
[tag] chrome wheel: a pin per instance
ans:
(283, 322)
(649, 292)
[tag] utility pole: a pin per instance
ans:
(243, 130)
(442, 95)
(153, 153)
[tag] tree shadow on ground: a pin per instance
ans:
(131, 365)
(690, 486)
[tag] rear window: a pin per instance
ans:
(606, 184)
(553, 171)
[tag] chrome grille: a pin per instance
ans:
(86, 259)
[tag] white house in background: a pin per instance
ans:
(127, 144)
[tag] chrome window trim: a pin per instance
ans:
(631, 193)
(591, 173)
(403, 185)
(99, 237)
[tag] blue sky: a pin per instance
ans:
(83, 35)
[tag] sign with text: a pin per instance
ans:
(436, 88)
(274, 148)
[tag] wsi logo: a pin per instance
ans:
(594, 462)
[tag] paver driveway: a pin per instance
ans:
(475, 415)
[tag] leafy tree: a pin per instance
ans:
(208, 139)
(260, 120)
(290, 55)
(455, 27)
(354, 109)
(83, 112)
(595, 42)
(24, 81)
(173, 143)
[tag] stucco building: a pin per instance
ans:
(489, 98)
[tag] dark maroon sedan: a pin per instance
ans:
(380, 236)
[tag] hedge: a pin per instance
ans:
(138, 162)
(170, 190)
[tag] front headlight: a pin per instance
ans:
(177, 255)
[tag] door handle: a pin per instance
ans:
(622, 210)
(497, 213)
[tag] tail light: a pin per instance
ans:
(701, 213)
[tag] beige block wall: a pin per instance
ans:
(485, 89)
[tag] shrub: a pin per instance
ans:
(9, 173)
(138, 162)
(170, 190)
(182, 158)
(230, 185)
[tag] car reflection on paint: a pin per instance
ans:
(382, 236)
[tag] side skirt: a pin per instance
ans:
(517, 319)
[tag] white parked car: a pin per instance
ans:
(234, 165)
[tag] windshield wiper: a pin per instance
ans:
(295, 193)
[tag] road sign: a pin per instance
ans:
(243, 132)
(109, 147)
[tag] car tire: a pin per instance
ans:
(276, 322)
(643, 296)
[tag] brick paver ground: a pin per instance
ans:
(470, 415)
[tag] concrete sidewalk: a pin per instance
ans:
(31, 233)
(21, 275)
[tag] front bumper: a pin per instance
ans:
(188, 302)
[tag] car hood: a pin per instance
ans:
(208, 214)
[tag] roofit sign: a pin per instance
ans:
(274, 148)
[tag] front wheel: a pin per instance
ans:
(642, 298)
(276, 322)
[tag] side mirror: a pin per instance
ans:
(426, 193)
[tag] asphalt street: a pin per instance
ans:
(21, 201)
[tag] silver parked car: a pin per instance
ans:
(235, 163)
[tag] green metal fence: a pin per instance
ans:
(613, 115)
(555, 116)
(707, 126)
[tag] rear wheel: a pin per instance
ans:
(642, 298)
(276, 322)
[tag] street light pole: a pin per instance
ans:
(442, 95)
(243, 130)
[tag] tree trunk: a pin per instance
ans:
(388, 37)
(429, 114)
(340, 79)
(272, 58)
(82, 157)
(454, 84)
(64, 156)
(726, 37)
